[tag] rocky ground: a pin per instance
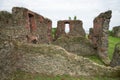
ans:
(47, 59)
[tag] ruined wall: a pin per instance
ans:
(116, 31)
(8, 57)
(23, 22)
(33, 24)
(75, 26)
(5, 19)
(76, 45)
(99, 35)
(116, 56)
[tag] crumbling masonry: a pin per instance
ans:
(116, 31)
(26, 25)
(75, 27)
(99, 35)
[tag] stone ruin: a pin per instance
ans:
(74, 41)
(99, 35)
(25, 25)
(75, 26)
(116, 56)
(116, 31)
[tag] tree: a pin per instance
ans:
(69, 18)
(75, 17)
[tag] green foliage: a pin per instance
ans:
(4, 15)
(69, 18)
(112, 42)
(110, 33)
(96, 59)
(53, 32)
(75, 17)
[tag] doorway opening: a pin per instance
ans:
(31, 22)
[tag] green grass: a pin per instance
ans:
(20, 75)
(53, 32)
(112, 42)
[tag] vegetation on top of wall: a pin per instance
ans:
(75, 18)
(69, 18)
(4, 15)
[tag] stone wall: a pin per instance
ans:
(5, 19)
(99, 35)
(116, 56)
(8, 57)
(23, 22)
(76, 45)
(116, 31)
(75, 26)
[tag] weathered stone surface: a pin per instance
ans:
(50, 59)
(99, 35)
(75, 26)
(77, 45)
(22, 22)
(116, 31)
(5, 19)
(46, 59)
(8, 57)
(33, 24)
(116, 56)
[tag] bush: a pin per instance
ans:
(111, 33)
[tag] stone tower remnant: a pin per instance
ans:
(99, 35)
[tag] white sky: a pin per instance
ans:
(85, 10)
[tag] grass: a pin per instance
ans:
(112, 42)
(53, 32)
(20, 75)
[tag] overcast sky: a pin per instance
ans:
(85, 10)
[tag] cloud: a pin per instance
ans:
(85, 10)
